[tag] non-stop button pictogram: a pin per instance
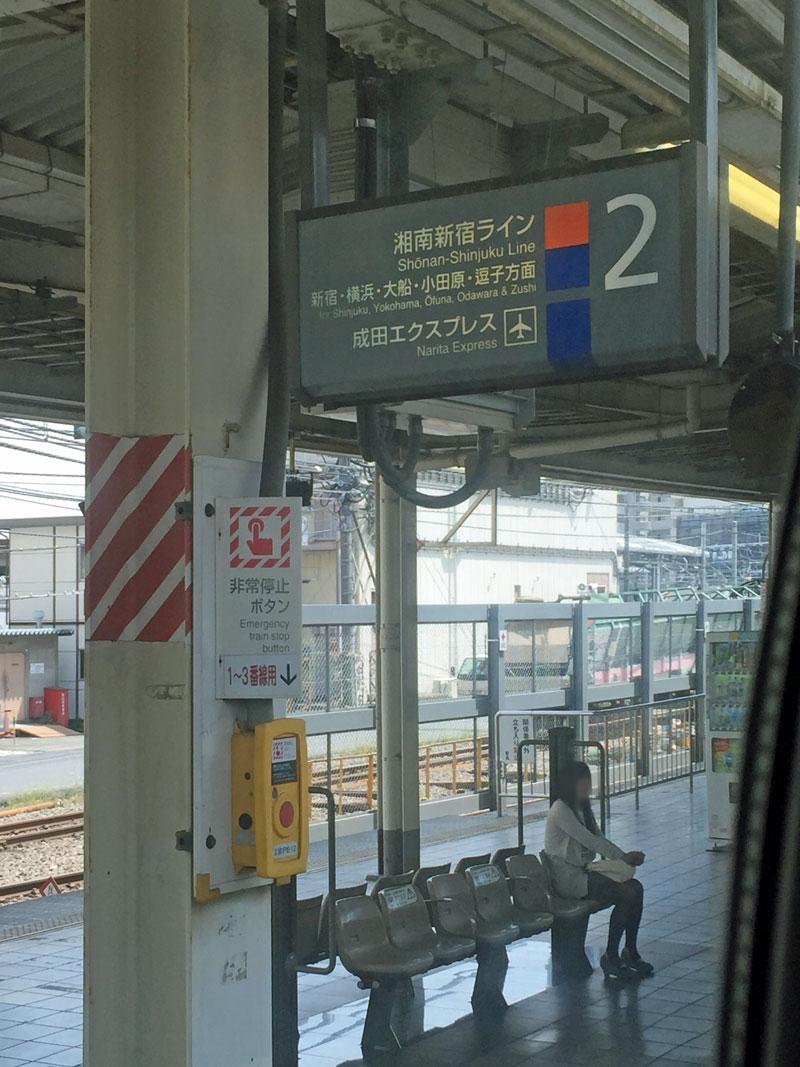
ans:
(260, 536)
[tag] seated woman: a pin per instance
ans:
(572, 840)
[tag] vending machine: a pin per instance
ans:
(730, 666)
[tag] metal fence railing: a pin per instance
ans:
(446, 769)
(601, 661)
(642, 745)
(649, 743)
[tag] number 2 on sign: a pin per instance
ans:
(616, 278)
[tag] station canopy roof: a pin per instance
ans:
(35, 631)
(545, 61)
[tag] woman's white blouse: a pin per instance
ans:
(571, 845)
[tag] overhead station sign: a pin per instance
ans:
(504, 286)
(259, 598)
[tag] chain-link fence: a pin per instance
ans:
(452, 660)
(538, 655)
(338, 668)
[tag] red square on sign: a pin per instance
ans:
(566, 225)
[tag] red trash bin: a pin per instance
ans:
(56, 704)
(35, 707)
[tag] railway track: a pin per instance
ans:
(20, 888)
(18, 833)
(445, 768)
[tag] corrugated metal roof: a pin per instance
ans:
(41, 58)
(45, 330)
(37, 631)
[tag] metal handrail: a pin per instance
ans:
(529, 742)
(605, 800)
(652, 703)
(330, 800)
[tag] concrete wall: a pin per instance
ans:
(546, 547)
(503, 575)
(320, 573)
(46, 583)
(41, 666)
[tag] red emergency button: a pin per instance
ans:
(286, 814)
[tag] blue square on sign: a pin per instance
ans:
(569, 334)
(566, 268)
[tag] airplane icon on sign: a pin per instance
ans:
(519, 326)
(520, 329)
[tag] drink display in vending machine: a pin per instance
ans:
(730, 666)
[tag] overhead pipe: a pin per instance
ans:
(402, 479)
(312, 86)
(664, 431)
(790, 174)
(636, 435)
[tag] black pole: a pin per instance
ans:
(790, 171)
(276, 430)
(562, 752)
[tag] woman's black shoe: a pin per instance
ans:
(617, 969)
(642, 968)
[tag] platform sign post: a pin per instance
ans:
(258, 598)
(507, 284)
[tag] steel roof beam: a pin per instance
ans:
(22, 7)
(657, 474)
(37, 387)
(564, 28)
(764, 14)
(646, 25)
(426, 15)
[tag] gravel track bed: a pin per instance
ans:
(39, 859)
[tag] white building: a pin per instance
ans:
(44, 596)
(519, 548)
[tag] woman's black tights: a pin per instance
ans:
(627, 899)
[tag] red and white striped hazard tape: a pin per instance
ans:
(138, 553)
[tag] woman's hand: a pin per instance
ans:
(635, 859)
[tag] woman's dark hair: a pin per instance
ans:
(567, 790)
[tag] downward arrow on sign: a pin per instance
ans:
(288, 677)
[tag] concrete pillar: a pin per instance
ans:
(177, 123)
(495, 686)
(410, 693)
(398, 697)
(647, 682)
(389, 670)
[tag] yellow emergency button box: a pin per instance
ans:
(271, 806)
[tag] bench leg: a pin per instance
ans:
(488, 1001)
(567, 941)
(408, 1019)
(379, 1036)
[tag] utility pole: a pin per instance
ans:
(626, 551)
(735, 552)
(703, 530)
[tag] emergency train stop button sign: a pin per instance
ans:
(258, 598)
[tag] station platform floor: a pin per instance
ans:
(667, 1019)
